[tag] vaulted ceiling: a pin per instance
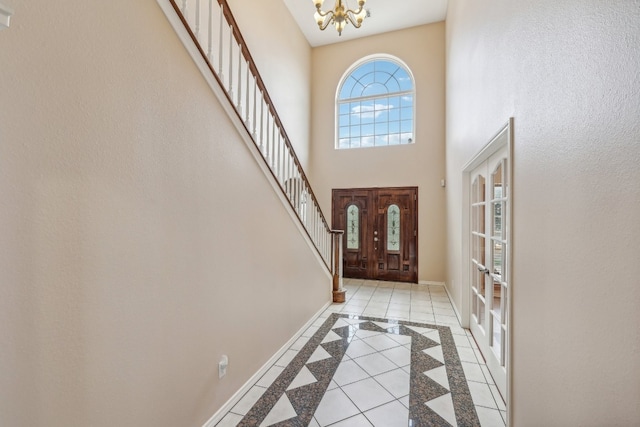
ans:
(385, 15)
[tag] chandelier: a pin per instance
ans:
(340, 15)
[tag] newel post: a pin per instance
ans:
(338, 290)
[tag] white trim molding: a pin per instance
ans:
(5, 16)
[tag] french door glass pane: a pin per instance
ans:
(353, 227)
(393, 228)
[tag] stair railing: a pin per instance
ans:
(216, 35)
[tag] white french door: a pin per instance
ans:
(489, 243)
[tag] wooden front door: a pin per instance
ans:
(381, 232)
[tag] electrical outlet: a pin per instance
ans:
(222, 366)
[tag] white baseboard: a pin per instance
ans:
(217, 417)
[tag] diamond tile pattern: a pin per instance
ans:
(355, 370)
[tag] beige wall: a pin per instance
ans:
(283, 57)
(568, 74)
(421, 164)
(132, 254)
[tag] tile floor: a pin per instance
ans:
(393, 355)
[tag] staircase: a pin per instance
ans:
(210, 33)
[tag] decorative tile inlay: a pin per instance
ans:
(438, 392)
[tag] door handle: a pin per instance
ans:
(483, 269)
(375, 239)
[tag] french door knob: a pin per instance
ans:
(375, 239)
(482, 269)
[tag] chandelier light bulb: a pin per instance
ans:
(340, 16)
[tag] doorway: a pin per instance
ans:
(381, 232)
(487, 259)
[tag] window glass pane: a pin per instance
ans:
(393, 228)
(343, 120)
(353, 227)
(355, 142)
(394, 114)
(343, 143)
(382, 140)
(344, 132)
(367, 141)
(374, 89)
(379, 82)
(366, 130)
(345, 91)
(407, 100)
(382, 128)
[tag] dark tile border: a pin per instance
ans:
(306, 399)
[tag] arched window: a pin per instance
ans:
(375, 104)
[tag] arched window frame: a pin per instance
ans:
(357, 138)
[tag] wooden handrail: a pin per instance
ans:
(237, 34)
(272, 112)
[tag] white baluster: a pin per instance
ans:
(262, 123)
(198, 20)
(220, 73)
(268, 134)
(255, 106)
(240, 80)
(247, 100)
(184, 8)
(209, 48)
(231, 61)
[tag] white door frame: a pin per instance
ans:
(503, 138)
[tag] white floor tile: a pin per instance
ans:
(367, 394)
(357, 421)
(299, 343)
(473, 372)
(487, 375)
(395, 382)
(319, 354)
(400, 339)
(286, 358)
(304, 377)
(349, 372)
(439, 375)
(434, 335)
(282, 410)
(497, 397)
(270, 376)
(401, 356)
(393, 414)
(375, 364)
(334, 406)
(310, 331)
(467, 355)
(421, 317)
(248, 400)
(435, 352)
(443, 406)
(313, 423)
(405, 401)
(359, 348)
(489, 417)
(461, 341)
(331, 336)
(381, 342)
(481, 395)
(230, 420)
